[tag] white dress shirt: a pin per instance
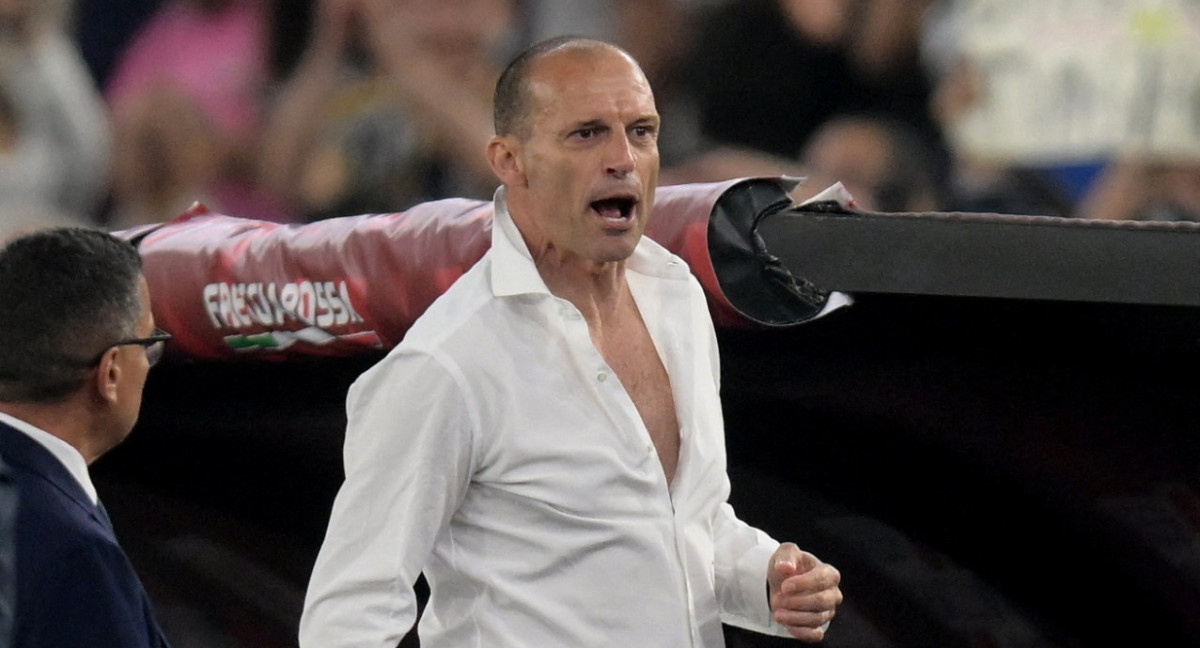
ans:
(495, 450)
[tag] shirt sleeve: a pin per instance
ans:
(742, 553)
(407, 460)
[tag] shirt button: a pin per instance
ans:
(602, 376)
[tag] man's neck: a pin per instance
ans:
(596, 290)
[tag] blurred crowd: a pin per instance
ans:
(123, 112)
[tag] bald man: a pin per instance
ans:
(546, 444)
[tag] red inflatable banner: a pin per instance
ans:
(229, 287)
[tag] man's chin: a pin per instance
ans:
(617, 252)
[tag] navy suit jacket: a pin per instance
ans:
(8, 585)
(75, 585)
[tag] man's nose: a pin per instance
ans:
(619, 156)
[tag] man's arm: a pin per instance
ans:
(89, 596)
(741, 552)
(794, 596)
(407, 460)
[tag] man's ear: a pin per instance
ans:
(108, 376)
(504, 156)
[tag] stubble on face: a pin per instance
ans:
(591, 159)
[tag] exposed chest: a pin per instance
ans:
(630, 352)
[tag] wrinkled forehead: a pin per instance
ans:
(574, 81)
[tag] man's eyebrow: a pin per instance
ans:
(589, 123)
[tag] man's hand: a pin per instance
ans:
(804, 592)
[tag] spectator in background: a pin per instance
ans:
(104, 27)
(54, 139)
(977, 184)
(186, 99)
(389, 106)
(974, 183)
(881, 161)
(1145, 189)
(661, 34)
(744, 85)
(766, 73)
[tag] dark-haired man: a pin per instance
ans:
(76, 341)
(546, 443)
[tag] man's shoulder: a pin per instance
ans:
(36, 471)
(32, 467)
(468, 329)
(441, 342)
(56, 536)
(454, 313)
(44, 510)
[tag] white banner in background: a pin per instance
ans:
(1079, 80)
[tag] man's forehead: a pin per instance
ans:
(580, 78)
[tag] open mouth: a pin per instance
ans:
(617, 209)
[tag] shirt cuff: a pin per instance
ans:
(752, 578)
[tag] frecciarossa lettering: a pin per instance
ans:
(244, 305)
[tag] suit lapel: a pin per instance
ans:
(23, 453)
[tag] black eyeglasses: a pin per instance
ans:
(153, 345)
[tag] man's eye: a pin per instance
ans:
(644, 132)
(586, 133)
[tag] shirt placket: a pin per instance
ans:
(661, 312)
(620, 408)
(611, 395)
